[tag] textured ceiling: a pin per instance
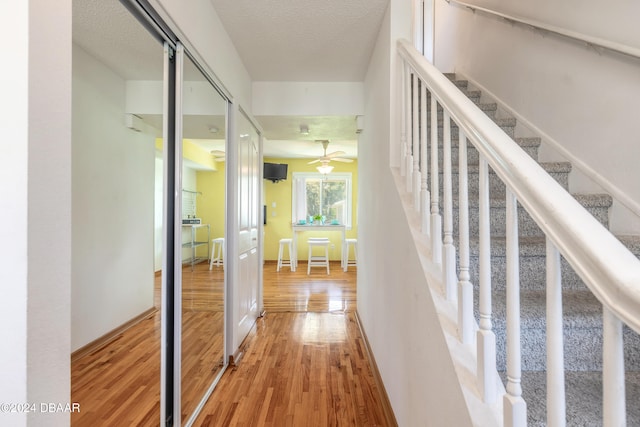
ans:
(108, 31)
(278, 40)
(303, 40)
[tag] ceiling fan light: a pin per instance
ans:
(324, 169)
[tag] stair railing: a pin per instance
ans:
(608, 268)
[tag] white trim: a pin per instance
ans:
(589, 40)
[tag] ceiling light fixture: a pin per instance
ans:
(304, 130)
(324, 169)
(213, 129)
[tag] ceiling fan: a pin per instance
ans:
(218, 155)
(326, 158)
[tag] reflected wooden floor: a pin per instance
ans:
(119, 383)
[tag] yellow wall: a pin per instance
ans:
(279, 226)
(194, 153)
(211, 183)
(211, 204)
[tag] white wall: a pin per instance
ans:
(199, 27)
(307, 98)
(394, 303)
(583, 99)
(35, 197)
(113, 206)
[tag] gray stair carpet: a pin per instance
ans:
(583, 397)
(582, 313)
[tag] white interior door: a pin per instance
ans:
(247, 288)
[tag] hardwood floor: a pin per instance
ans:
(305, 363)
(302, 369)
(317, 292)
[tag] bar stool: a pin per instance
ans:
(291, 262)
(217, 250)
(346, 262)
(318, 260)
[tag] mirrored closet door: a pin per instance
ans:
(201, 302)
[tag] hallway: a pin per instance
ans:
(305, 363)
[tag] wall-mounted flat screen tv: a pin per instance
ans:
(275, 171)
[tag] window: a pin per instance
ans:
(318, 194)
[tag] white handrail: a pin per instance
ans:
(606, 266)
(589, 40)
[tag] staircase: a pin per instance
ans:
(582, 312)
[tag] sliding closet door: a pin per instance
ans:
(117, 197)
(199, 297)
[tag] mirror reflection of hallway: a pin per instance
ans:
(117, 193)
(204, 115)
(121, 192)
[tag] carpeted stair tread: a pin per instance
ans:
(582, 312)
(500, 121)
(582, 329)
(522, 142)
(598, 200)
(632, 243)
(597, 205)
(580, 309)
(489, 109)
(583, 390)
(535, 245)
(550, 167)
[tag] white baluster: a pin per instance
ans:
(486, 337)
(415, 186)
(514, 406)
(613, 388)
(436, 220)
(449, 253)
(405, 112)
(465, 289)
(425, 197)
(409, 157)
(556, 408)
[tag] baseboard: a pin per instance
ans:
(386, 403)
(236, 357)
(110, 336)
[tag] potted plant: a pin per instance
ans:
(317, 219)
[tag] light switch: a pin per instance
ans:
(273, 204)
(273, 213)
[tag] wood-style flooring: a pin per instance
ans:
(305, 362)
